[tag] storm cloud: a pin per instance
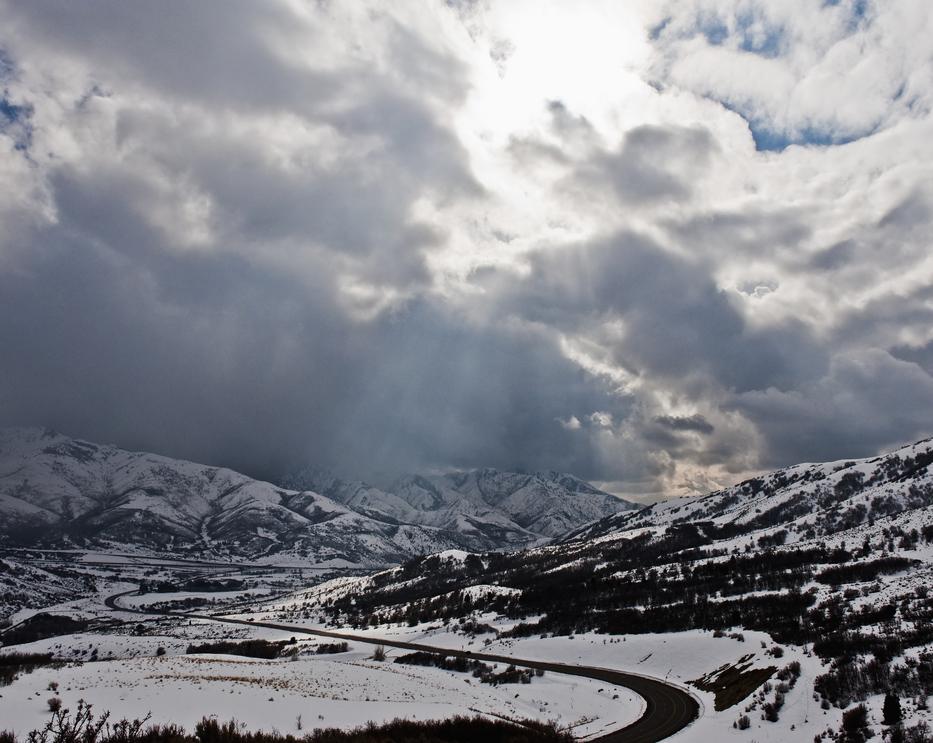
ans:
(662, 246)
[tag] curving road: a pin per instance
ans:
(668, 709)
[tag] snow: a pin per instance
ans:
(454, 555)
(342, 691)
(677, 658)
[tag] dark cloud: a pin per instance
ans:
(884, 317)
(243, 347)
(834, 257)
(868, 401)
(568, 125)
(694, 422)
(677, 322)
(912, 211)
(654, 164)
(238, 366)
(921, 355)
(760, 231)
(358, 210)
(222, 54)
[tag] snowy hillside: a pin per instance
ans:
(796, 503)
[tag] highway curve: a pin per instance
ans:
(668, 709)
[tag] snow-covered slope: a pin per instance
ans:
(797, 503)
(502, 507)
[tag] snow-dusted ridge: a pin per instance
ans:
(802, 502)
(503, 507)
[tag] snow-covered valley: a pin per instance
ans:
(791, 607)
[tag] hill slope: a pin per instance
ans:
(795, 504)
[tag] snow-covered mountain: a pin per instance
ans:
(794, 504)
(506, 507)
(61, 492)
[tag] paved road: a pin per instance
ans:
(667, 708)
(140, 561)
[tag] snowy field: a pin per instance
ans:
(343, 690)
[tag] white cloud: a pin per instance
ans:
(571, 424)
(601, 419)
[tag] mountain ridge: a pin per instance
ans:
(807, 500)
(59, 491)
(544, 504)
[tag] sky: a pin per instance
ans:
(660, 245)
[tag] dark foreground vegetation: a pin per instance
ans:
(483, 671)
(83, 726)
(265, 649)
(42, 626)
(14, 664)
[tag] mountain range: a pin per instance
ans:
(60, 492)
(829, 564)
(510, 507)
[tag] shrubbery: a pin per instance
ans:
(864, 571)
(43, 625)
(83, 726)
(249, 648)
(482, 671)
(13, 664)
(849, 680)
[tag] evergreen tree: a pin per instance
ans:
(892, 709)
